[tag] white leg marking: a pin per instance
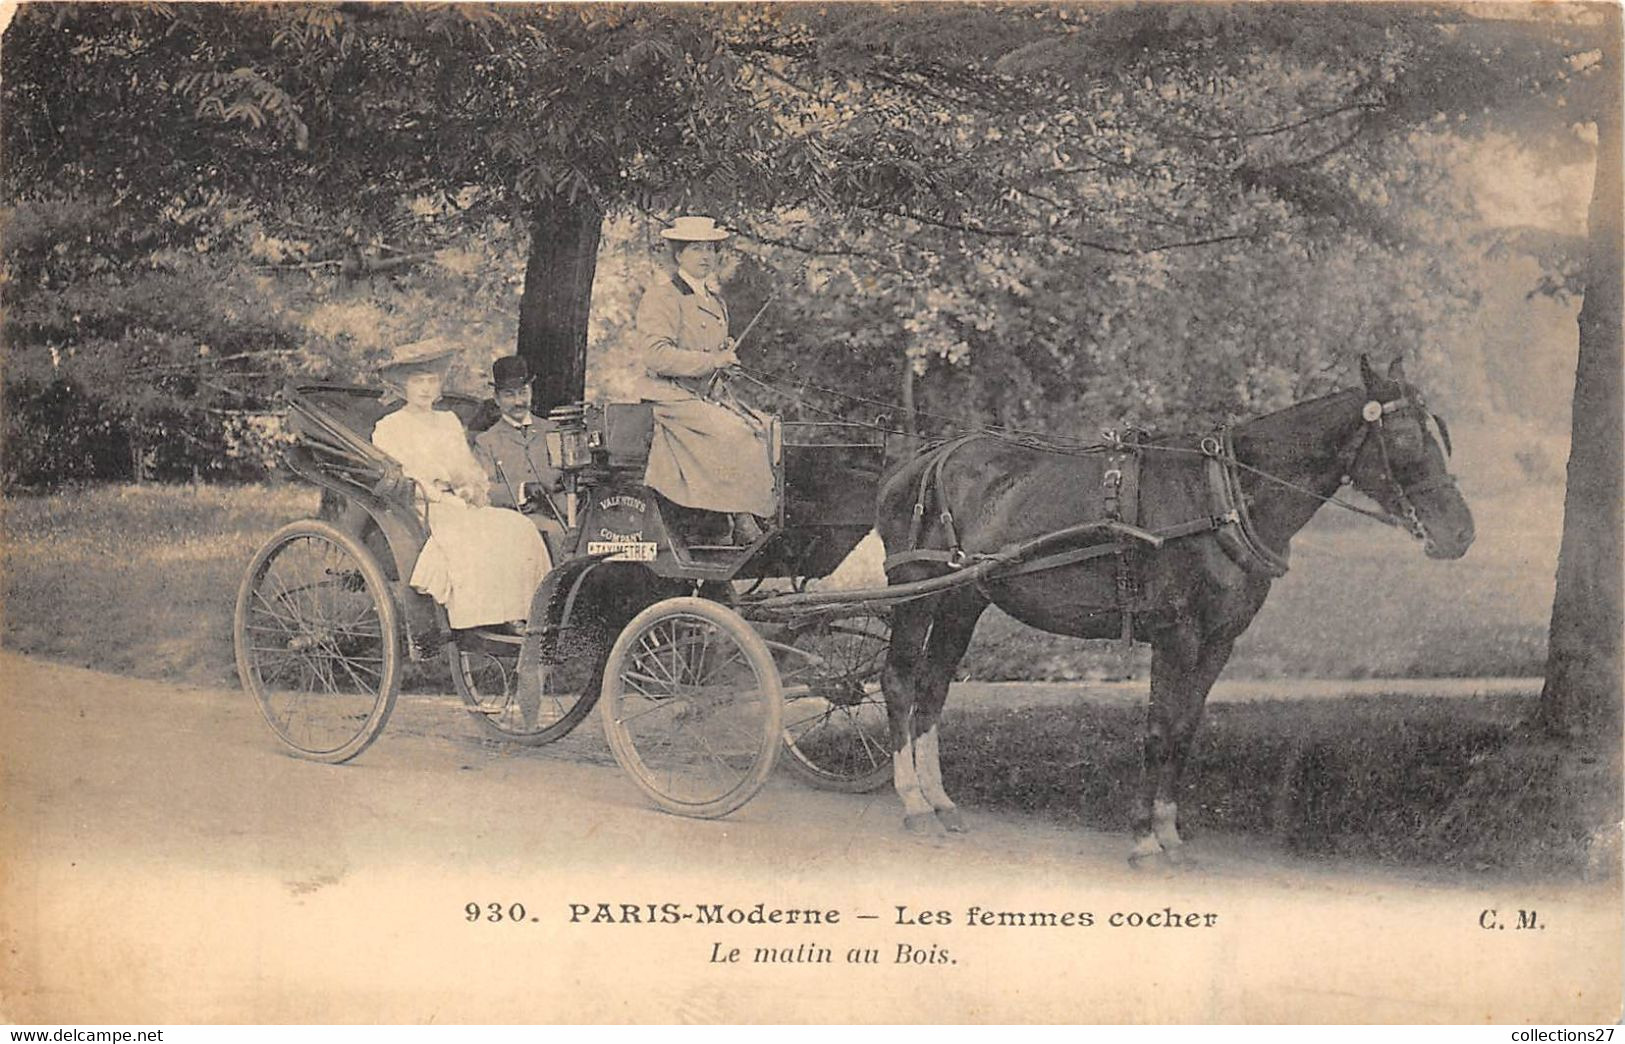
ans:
(1164, 815)
(930, 771)
(906, 777)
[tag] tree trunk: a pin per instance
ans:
(1581, 696)
(557, 298)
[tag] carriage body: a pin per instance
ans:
(826, 477)
(326, 612)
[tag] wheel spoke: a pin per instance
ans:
(671, 704)
(734, 656)
(836, 729)
(651, 655)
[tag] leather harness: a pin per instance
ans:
(1228, 516)
(1120, 487)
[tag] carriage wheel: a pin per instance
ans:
(485, 672)
(835, 731)
(692, 707)
(318, 641)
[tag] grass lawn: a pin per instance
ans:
(1430, 782)
(137, 579)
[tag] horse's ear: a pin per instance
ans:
(1396, 370)
(1368, 376)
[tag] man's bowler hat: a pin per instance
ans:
(508, 372)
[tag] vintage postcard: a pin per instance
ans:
(1079, 513)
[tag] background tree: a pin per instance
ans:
(1581, 695)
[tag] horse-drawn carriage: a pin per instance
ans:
(701, 683)
(705, 666)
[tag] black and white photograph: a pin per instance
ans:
(773, 513)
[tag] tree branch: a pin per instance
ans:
(1336, 147)
(1208, 241)
(1280, 128)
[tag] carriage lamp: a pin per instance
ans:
(570, 425)
(568, 445)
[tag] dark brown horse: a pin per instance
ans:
(1192, 596)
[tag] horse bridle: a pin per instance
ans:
(1372, 414)
(1408, 518)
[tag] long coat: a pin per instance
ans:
(704, 454)
(520, 464)
(682, 339)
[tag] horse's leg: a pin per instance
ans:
(1183, 670)
(950, 635)
(911, 626)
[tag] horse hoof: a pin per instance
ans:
(924, 824)
(1154, 862)
(1148, 856)
(953, 820)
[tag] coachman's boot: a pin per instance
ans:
(746, 530)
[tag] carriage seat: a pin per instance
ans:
(629, 428)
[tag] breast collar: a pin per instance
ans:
(1240, 540)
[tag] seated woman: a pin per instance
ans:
(482, 563)
(706, 454)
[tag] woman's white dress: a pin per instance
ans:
(482, 563)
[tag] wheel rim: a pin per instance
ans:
(317, 644)
(695, 710)
(835, 725)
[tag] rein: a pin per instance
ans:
(1215, 447)
(956, 428)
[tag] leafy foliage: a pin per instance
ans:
(1045, 217)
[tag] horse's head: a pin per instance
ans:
(1400, 464)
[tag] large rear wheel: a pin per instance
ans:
(835, 731)
(318, 642)
(692, 707)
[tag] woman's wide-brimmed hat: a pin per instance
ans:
(427, 356)
(432, 355)
(694, 229)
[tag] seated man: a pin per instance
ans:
(515, 455)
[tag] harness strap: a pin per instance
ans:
(1240, 541)
(945, 516)
(949, 558)
(931, 479)
(1121, 496)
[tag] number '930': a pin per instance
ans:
(496, 913)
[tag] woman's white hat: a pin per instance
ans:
(430, 354)
(695, 229)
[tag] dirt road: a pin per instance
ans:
(166, 863)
